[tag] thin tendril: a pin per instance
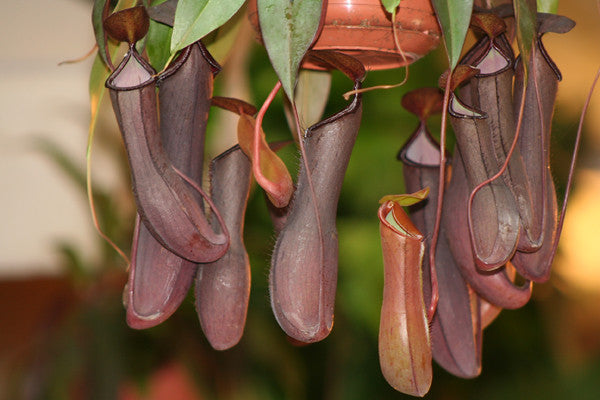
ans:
(397, 43)
(81, 58)
(573, 163)
(404, 60)
(89, 190)
(438, 213)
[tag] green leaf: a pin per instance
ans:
(225, 37)
(158, 43)
(390, 5)
(98, 13)
(547, 6)
(98, 76)
(195, 19)
(454, 17)
(288, 29)
(526, 23)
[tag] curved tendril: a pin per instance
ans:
(404, 60)
(438, 212)
(501, 171)
(89, 189)
(573, 162)
(260, 178)
(207, 199)
(80, 58)
(397, 43)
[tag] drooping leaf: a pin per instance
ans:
(406, 199)
(390, 5)
(454, 17)
(276, 179)
(194, 19)
(526, 18)
(99, 12)
(547, 6)
(288, 29)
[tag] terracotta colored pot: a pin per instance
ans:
(363, 29)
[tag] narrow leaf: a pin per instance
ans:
(276, 179)
(454, 17)
(526, 18)
(99, 12)
(547, 6)
(194, 19)
(288, 29)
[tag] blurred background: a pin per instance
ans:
(62, 324)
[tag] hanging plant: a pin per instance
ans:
(482, 222)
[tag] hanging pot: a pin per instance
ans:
(363, 29)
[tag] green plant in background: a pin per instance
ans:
(303, 274)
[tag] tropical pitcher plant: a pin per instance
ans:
(479, 223)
